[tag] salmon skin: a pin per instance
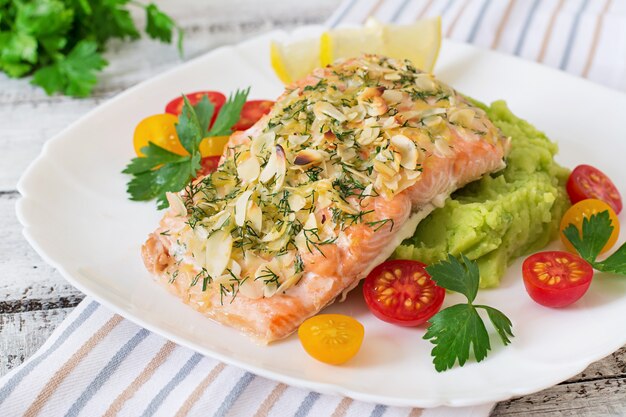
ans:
(318, 192)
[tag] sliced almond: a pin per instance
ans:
(176, 204)
(393, 96)
(296, 202)
(392, 77)
(289, 282)
(281, 167)
(269, 170)
(368, 135)
(255, 215)
(346, 153)
(218, 249)
(407, 149)
(384, 169)
(262, 142)
(463, 117)
(425, 82)
(296, 140)
(311, 222)
(443, 148)
(251, 289)
(249, 169)
(308, 157)
(324, 108)
(275, 233)
(241, 207)
(218, 220)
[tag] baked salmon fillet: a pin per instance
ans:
(309, 200)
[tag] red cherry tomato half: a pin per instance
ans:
(251, 112)
(176, 105)
(556, 279)
(586, 181)
(401, 292)
(208, 165)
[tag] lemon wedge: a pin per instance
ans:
(292, 61)
(351, 42)
(418, 42)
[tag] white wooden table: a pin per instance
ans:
(34, 298)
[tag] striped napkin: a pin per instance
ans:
(98, 364)
(583, 37)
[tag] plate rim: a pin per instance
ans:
(325, 388)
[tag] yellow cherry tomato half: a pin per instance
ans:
(213, 146)
(586, 208)
(159, 129)
(331, 338)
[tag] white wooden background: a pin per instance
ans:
(33, 296)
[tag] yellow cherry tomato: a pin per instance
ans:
(159, 129)
(213, 146)
(331, 338)
(587, 208)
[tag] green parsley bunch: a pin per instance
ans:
(60, 42)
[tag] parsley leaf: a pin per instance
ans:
(154, 156)
(159, 25)
(205, 110)
(188, 127)
(44, 18)
(456, 276)
(18, 53)
(170, 177)
(503, 325)
(459, 329)
(229, 114)
(596, 231)
(453, 331)
(75, 74)
(615, 263)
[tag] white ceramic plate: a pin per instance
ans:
(76, 214)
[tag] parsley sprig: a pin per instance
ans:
(60, 42)
(596, 231)
(458, 329)
(161, 171)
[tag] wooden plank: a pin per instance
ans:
(27, 282)
(597, 391)
(605, 397)
(22, 334)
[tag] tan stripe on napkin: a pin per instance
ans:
(270, 400)
(199, 390)
(373, 10)
(596, 38)
(141, 379)
(416, 412)
(503, 23)
(60, 375)
(342, 407)
(548, 34)
(456, 18)
(424, 10)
